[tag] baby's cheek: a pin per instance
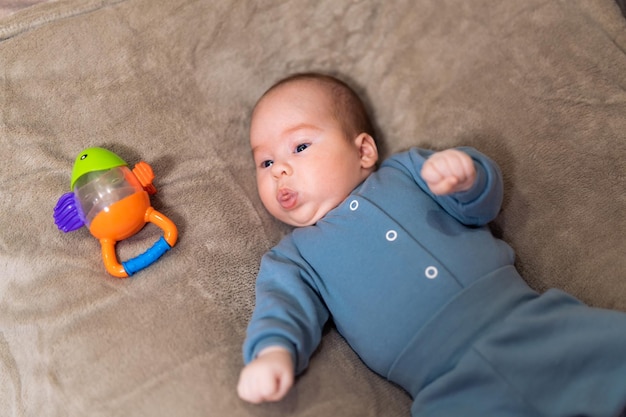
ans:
(267, 201)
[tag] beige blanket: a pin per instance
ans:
(538, 85)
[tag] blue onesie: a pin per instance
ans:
(429, 298)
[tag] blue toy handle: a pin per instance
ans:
(147, 258)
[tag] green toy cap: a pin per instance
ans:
(94, 159)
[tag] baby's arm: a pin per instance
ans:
(286, 325)
(448, 172)
(471, 193)
(268, 377)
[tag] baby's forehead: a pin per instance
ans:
(298, 91)
(306, 88)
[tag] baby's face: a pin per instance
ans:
(305, 163)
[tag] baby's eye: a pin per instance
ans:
(301, 147)
(267, 164)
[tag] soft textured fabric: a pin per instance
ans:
(8, 7)
(539, 86)
(547, 355)
(622, 6)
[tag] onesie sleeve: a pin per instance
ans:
(475, 207)
(288, 311)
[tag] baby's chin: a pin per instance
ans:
(302, 217)
(299, 222)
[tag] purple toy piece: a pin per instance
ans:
(67, 213)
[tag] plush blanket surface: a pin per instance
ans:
(540, 86)
(8, 7)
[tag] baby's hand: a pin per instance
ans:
(267, 378)
(449, 171)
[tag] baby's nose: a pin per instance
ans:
(280, 169)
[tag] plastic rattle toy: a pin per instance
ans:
(113, 202)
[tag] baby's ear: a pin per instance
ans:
(368, 150)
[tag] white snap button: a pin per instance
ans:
(391, 235)
(354, 204)
(431, 272)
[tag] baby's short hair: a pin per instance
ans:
(349, 109)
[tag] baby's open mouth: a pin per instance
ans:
(287, 198)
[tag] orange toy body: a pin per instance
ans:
(124, 219)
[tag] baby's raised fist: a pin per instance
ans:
(448, 172)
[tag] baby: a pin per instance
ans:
(400, 257)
